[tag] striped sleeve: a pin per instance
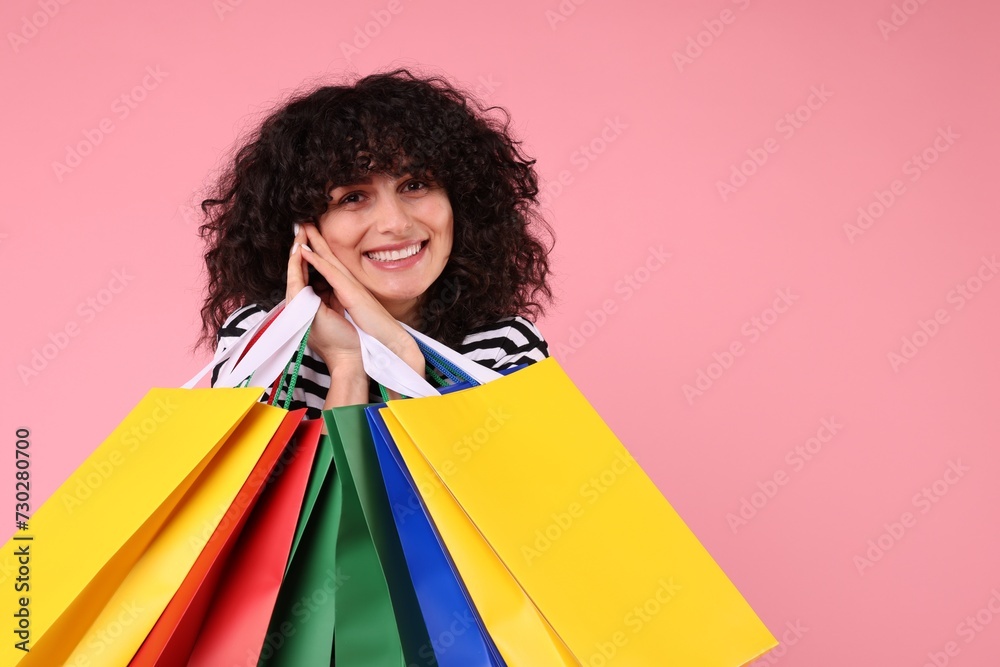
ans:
(504, 344)
(313, 381)
(234, 327)
(510, 342)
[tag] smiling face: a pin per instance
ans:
(394, 234)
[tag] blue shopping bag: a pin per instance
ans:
(458, 636)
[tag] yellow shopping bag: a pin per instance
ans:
(99, 560)
(575, 521)
(520, 632)
(93, 555)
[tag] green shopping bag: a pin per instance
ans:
(347, 598)
(302, 624)
(378, 617)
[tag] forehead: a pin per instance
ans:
(369, 177)
(365, 170)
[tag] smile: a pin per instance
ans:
(397, 255)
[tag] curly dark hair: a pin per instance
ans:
(390, 122)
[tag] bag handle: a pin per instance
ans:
(471, 371)
(275, 339)
(386, 368)
(263, 351)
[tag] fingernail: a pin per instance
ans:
(297, 228)
(295, 247)
(306, 248)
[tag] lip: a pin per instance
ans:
(396, 246)
(398, 264)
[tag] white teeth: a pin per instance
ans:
(391, 255)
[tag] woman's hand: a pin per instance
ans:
(332, 336)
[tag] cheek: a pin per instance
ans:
(446, 228)
(343, 245)
(439, 210)
(449, 238)
(347, 257)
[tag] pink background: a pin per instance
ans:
(676, 130)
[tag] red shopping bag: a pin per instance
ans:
(177, 628)
(238, 618)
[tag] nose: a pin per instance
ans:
(391, 216)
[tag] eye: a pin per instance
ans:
(349, 198)
(415, 185)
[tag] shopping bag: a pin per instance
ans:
(83, 542)
(458, 635)
(378, 619)
(521, 633)
(301, 627)
(154, 579)
(275, 478)
(100, 560)
(347, 598)
(573, 518)
(244, 600)
(237, 620)
(581, 527)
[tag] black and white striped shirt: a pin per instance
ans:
(509, 342)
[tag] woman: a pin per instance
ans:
(396, 198)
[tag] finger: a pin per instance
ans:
(316, 240)
(297, 271)
(335, 305)
(340, 280)
(364, 308)
(319, 245)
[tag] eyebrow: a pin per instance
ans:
(366, 180)
(361, 181)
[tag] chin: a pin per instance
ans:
(397, 296)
